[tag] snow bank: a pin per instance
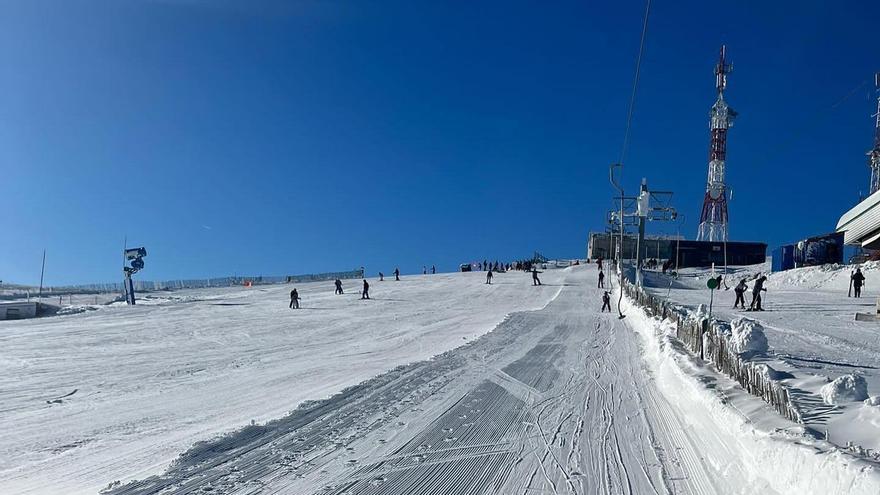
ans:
(873, 401)
(72, 310)
(812, 466)
(846, 388)
(747, 336)
(767, 372)
(828, 277)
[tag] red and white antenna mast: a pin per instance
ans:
(874, 154)
(713, 219)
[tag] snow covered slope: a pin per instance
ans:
(118, 393)
(813, 340)
(564, 399)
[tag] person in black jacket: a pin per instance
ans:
(397, 274)
(858, 279)
(489, 277)
(294, 299)
(601, 279)
(756, 294)
(535, 279)
(366, 292)
(606, 302)
(338, 286)
(740, 289)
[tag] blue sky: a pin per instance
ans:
(297, 137)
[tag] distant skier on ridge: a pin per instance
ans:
(535, 279)
(294, 299)
(338, 286)
(489, 277)
(397, 274)
(366, 292)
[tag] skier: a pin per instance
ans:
(756, 294)
(338, 286)
(381, 277)
(606, 301)
(489, 277)
(294, 299)
(424, 270)
(535, 279)
(601, 279)
(858, 279)
(599, 263)
(397, 274)
(433, 270)
(366, 293)
(740, 289)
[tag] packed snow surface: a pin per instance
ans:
(560, 400)
(118, 393)
(811, 333)
(557, 398)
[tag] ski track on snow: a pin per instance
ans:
(552, 401)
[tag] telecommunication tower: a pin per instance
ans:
(874, 154)
(713, 219)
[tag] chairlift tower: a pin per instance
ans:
(713, 219)
(874, 154)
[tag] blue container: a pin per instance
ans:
(783, 258)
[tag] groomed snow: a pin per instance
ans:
(561, 400)
(120, 392)
(812, 338)
(759, 451)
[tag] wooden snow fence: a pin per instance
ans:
(709, 341)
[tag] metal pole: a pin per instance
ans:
(125, 279)
(711, 298)
(620, 244)
(42, 270)
(725, 262)
(678, 243)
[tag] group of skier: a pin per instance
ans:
(396, 274)
(496, 266)
(606, 295)
(365, 291)
(740, 290)
(534, 271)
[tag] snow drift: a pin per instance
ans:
(846, 388)
(747, 336)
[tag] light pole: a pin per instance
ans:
(619, 244)
(678, 242)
